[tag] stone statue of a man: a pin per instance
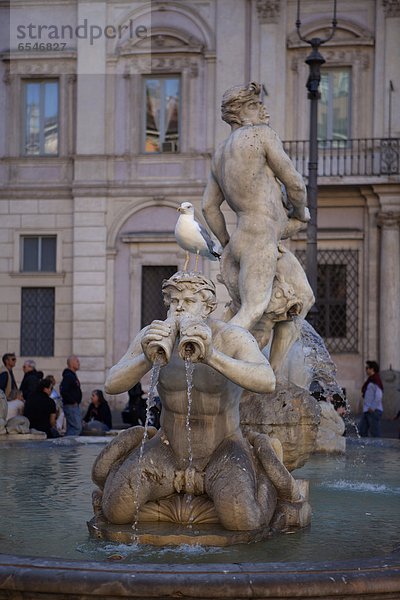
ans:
(252, 173)
(244, 480)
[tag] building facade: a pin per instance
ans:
(110, 114)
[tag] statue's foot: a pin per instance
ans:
(292, 513)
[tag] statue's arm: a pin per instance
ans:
(130, 369)
(284, 170)
(211, 207)
(245, 365)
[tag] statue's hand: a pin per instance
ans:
(301, 213)
(158, 341)
(196, 340)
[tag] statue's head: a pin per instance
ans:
(241, 105)
(189, 293)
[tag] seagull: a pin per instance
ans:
(192, 236)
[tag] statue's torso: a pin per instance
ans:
(243, 173)
(214, 410)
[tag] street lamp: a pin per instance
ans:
(314, 61)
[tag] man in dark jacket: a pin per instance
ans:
(40, 409)
(71, 394)
(30, 380)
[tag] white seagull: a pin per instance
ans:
(192, 236)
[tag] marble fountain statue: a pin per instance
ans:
(233, 429)
(202, 467)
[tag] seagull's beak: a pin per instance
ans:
(178, 209)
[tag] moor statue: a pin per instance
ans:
(244, 478)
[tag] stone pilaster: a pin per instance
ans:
(272, 57)
(389, 321)
(89, 316)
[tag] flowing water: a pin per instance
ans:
(155, 374)
(189, 369)
(45, 502)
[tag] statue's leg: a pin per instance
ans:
(230, 481)
(130, 484)
(257, 272)
(230, 274)
(116, 451)
(285, 485)
(262, 330)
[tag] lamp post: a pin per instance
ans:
(314, 61)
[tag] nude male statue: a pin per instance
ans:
(243, 479)
(247, 171)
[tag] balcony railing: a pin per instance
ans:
(353, 157)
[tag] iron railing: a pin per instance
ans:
(352, 157)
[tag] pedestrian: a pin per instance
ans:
(98, 415)
(71, 394)
(372, 393)
(41, 410)
(7, 379)
(30, 379)
(155, 413)
(135, 412)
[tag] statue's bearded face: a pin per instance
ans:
(186, 302)
(253, 112)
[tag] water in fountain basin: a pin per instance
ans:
(355, 500)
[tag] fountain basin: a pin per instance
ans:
(40, 578)
(345, 553)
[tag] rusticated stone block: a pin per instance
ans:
(289, 414)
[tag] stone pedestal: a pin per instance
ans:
(172, 534)
(184, 519)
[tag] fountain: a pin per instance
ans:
(238, 483)
(215, 474)
(347, 551)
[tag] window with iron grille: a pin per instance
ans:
(152, 300)
(37, 321)
(41, 117)
(337, 298)
(162, 114)
(38, 253)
